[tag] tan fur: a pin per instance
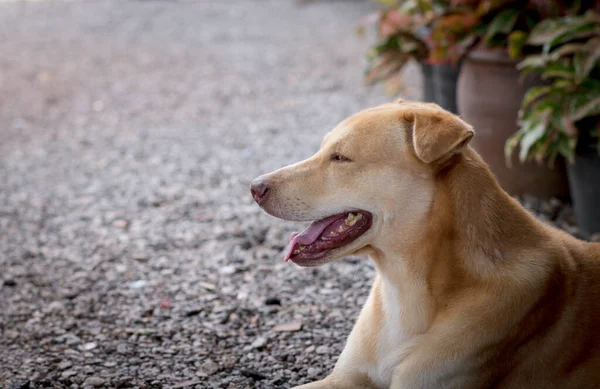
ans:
(471, 290)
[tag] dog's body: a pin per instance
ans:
(472, 291)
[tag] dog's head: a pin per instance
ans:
(372, 180)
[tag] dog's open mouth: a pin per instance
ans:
(327, 234)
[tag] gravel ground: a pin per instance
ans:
(131, 253)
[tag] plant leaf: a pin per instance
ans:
(578, 63)
(579, 32)
(593, 57)
(532, 61)
(529, 139)
(545, 31)
(502, 23)
(509, 147)
(589, 108)
(566, 50)
(516, 41)
(535, 93)
(559, 71)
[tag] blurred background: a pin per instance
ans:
(131, 252)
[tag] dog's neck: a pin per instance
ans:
(472, 227)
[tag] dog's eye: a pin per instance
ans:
(339, 158)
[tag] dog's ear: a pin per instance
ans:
(438, 136)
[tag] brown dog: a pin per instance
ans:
(471, 290)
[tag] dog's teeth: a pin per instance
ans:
(349, 219)
(332, 233)
(355, 219)
(341, 228)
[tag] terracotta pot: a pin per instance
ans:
(489, 97)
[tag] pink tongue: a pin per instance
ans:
(308, 236)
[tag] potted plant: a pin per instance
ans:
(490, 87)
(561, 118)
(404, 29)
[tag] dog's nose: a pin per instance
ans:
(259, 189)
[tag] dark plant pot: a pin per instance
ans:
(489, 97)
(445, 79)
(428, 88)
(439, 85)
(584, 179)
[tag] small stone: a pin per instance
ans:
(68, 373)
(121, 223)
(10, 334)
(141, 257)
(309, 349)
(208, 286)
(88, 346)
(227, 270)
(312, 372)
(322, 350)
(10, 282)
(64, 365)
(138, 284)
(288, 327)
(94, 382)
(122, 348)
(165, 304)
(209, 367)
(259, 342)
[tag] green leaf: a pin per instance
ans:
(589, 108)
(533, 61)
(566, 50)
(593, 56)
(545, 31)
(529, 139)
(572, 34)
(509, 146)
(578, 63)
(502, 23)
(516, 41)
(535, 93)
(559, 71)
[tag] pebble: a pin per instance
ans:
(288, 327)
(88, 346)
(94, 382)
(259, 342)
(312, 372)
(209, 367)
(322, 350)
(138, 284)
(68, 373)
